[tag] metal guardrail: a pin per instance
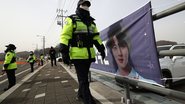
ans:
(152, 87)
(176, 52)
(170, 11)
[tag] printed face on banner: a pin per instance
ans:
(120, 53)
(130, 48)
(119, 50)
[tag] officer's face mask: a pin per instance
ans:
(85, 7)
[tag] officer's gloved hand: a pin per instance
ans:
(101, 49)
(66, 59)
(64, 49)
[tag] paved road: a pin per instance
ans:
(21, 72)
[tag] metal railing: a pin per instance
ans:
(151, 87)
(175, 9)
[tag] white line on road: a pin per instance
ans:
(15, 75)
(40, 95)
(8, 92)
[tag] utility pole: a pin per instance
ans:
(61, 16)
(44, 45)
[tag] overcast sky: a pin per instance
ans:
(22, 20)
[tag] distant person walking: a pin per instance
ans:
(10, 65)
(31, 59)
(52, 54)
(41, 59)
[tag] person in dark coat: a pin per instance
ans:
(52, 54)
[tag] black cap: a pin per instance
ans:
(31, 52)
(11, 46)
(84, 1)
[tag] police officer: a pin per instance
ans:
(10, 65)
(79, 35)
(41, 59)
(31, 59)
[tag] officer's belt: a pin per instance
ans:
(82, 40)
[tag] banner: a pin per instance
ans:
(131, 48)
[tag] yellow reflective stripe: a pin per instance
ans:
(81, 53)
(33, 58)
(81, 32)
(81, 27)
(12, 66)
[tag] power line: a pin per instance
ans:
(51, 24)
(71, 2)
(74, 6)
(64, 4)
(59, 3)
(71, 6)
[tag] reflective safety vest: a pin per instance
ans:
(80, 38)
(41, 57)
(10, 60)
(31, 59)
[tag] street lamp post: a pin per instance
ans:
(43, 38)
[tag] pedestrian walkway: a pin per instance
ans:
(50, 85)
(46, 85)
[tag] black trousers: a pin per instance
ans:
(32, 66)
(82, 70)
(53, 59)
(41, 62)
(11, 77)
